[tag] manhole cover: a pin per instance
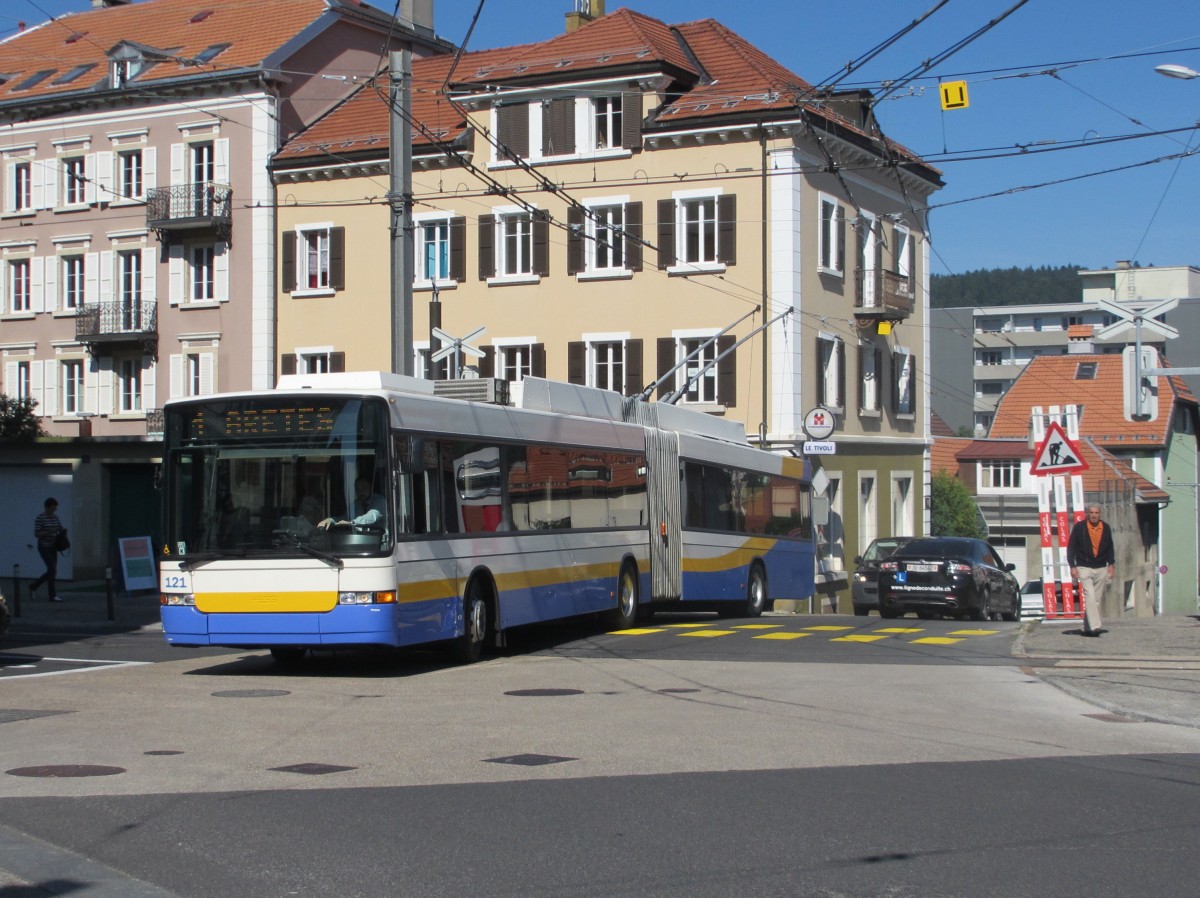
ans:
(312, 769)
(539, 693)
(250, 693)
(65, 770)
(529, 760)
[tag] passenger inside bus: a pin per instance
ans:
(367, 510)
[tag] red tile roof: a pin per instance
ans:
(1054, 379)
(253, 30)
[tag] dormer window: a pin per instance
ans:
(210, 53)
(75, 73)
(123, 71)
(35, 79)
(1086, 371)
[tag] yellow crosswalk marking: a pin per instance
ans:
(857, 637)
(682, 626)
(831, 629)
(707, 633)
(936, 640)
(782, 636)
(635, 631)
(756, 626)
(899, 630)
(972, 633)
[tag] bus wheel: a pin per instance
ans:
(288, 654)
(468, 648)
(756, 592)
(625, 615)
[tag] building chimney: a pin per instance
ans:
(1080, 339)
(1122, 264)
(585, 11)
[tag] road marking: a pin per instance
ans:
(936, 640)
(830, 629)
(707, 633)
(899, 630)
(858, 637)
(86, 664)
(782, 636)
(971, 632)
(635, 631)
(683, 626)
(756, 626)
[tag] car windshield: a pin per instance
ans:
(881, 549)
(945, 547)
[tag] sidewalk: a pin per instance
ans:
(1138, 668)
(84, 608)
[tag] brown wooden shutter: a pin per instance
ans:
(820, 372)
(840, 229)
(287, 363)
(337, 258)
(666, 361)
(727, 373)
(487, 251)
(287, 255)
(541, 243)
(666, 233)
(633, 368)
(631, 120)
(862, 382)
(558, 127)
(633, 236)
(727, 229)
(458, 248)
(337, 362)
(575, 232)
(577, 362)
(537, 359)
(512, 126)
(841, 374)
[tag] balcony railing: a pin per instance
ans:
(117, 322)
(189, 207)
(885, 295)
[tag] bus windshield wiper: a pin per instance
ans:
(332, 560)
(194, 561)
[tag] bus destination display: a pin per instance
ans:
(238, 421)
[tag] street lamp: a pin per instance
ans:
(1177, 71)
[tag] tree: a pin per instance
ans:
(953, 511)
(18, 423)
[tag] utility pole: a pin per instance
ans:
(400, 198)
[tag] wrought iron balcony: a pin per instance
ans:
(883, 295)
(190, 207)
(117, 323)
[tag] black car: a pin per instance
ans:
(948, 575)
(864, 587)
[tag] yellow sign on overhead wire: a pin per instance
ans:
(954, 95)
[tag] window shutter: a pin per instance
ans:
(458, 248)
(49, 172)
(221, 271)
(575, 254)
(208, 373)
(337, 258)
(149, 394)
(666, 361)
(537, 359)
(89, 176)
(50, 283)
(631, 120)
(633, 236)
(37, 283)
(37, 388)
(104, 176)
(487, 364)
(10, 379)
(666, 233)
(221, 161)
(841, 373)
(819, 380)
(287, 256)
(105, 406)
(287, 363)
(577, 362)
(177, 173)
(149, 168)
(727, 373)
(840, 229)
(512, 126)
(176, 273)
(337, 362)
(541, 243)
(50, 387)
(487, 252)
(633, 367)
(91, 278)
(176, 376)
(91, 385)
(149, 276)
(106, 276)
(727, 229)
(558, 127)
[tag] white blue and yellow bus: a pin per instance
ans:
(364, 509)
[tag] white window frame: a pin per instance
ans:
(604, 236)
(130, 378)
(868, 509)
(872, 395)
(77, 188)
(906, 257)
(72, 386)
(903, 520)
(829, 237)
(600, 360)
(698, 212)
(313, 359)
(201, 273)
(831, 367)
(19, 192)
(1002, 475)
(514, 358)
(74, 286)
(125, 190)
(868, 252)
(605, 115)
(905, 386)
(18, 273)
(322, 250)
(515, 227)
(444, 237)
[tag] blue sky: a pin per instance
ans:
(1048, 86)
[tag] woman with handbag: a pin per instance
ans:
(46, 528)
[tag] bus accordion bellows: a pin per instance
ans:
(363, 509)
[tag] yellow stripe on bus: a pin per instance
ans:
(264, 602)
(731, 559)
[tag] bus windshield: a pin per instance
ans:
(261, 476)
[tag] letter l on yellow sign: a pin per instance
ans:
(954, 95)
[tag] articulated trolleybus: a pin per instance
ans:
(365, 509)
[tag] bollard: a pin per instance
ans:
(108, 589)
(16, 596)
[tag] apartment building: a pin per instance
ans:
(598, 207)
(137, 257)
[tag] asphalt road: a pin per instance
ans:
(592, 764)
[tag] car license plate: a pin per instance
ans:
(922, 568)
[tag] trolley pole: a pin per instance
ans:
(400, 197)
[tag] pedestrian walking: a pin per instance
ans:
(46, 528)
(1091, 557)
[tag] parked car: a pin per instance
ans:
(1033, 604)
(948, 575)
(864, 586)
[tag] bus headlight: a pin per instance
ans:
(177, 598)
(356, 598)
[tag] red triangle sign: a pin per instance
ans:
(1057, 454)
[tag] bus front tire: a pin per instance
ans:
(468, 648)
(288, 654)
(625, 615)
